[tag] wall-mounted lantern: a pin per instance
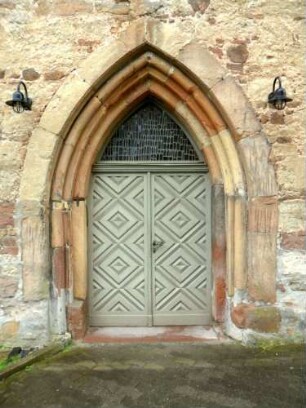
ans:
(20, 101)
(277, 98)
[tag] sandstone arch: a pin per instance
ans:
(81, 117)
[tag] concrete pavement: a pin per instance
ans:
(172, 375)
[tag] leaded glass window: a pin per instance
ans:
(150, 134)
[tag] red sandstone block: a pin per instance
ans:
(6, 215)
(262, 319)
(239, 314)
(9, 251)
(9, 241)
(77, 319)
(220, 299)
(294, 240)
(8, 245)
(59, 267)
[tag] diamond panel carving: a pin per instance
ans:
(181, 265)
(118, 281)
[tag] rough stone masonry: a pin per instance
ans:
(43, 42)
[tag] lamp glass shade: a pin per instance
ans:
(19, 102)
(278, 97)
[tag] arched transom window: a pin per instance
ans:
(150, 134)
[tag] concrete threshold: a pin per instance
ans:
(163, 334)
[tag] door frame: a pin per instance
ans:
(147, 168)
(76, 124)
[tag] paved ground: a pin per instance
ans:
(190, 375)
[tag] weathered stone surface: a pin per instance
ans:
(293, 240)
(15, 75)
(30, 74)
(8, 4)
(70, 97)
(8, 245)
(264, 319)
(281, 152)
(34, 320)
(262, 266)
(8, 286)
(77, 316)
(239, 314)
(64, 8)
(120, 9)
(9, 183)
(240, 244)
(202, 63)
(263, 214)
(9, 330)
(54, 75)
(277, 118)
(79, 247)
(235, 68)
(35, 257)
(298, 283)
(241, 116)
(43, 146)
(2, 73)
(219, 252)
(145, 7)
(93, 72)
(259, 173)
(291, 215)
(291, 174)
(11, 155)
(57, 236)
(59, 267)
(16, 128)
(199, 5)
(292, 263)
(6, 214)
(238, 53)
(293, 323)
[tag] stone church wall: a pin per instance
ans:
(43, 41)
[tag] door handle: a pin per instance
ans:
(156, 245)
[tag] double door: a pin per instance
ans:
(150, 249)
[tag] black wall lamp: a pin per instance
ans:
(278, 97)
(20, 101)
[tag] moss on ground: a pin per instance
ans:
(4, 363)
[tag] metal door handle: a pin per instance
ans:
(156, 245)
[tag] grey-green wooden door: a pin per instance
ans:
(150, 249)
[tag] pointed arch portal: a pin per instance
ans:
(149, 226)
(78, 123)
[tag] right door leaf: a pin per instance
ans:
(181, 265)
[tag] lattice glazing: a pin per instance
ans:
(149, 135)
